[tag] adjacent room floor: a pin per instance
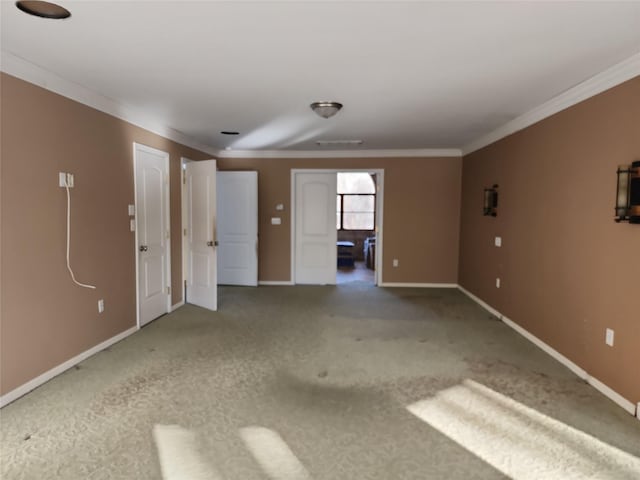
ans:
(358, 273)
(349, 382)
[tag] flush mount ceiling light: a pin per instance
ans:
(326, 109)
(44, 9)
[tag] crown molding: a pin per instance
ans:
(32, 73)
(399, 153)
(619, 73)
(25, 70)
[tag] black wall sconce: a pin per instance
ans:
(628, 193)
(491, 201)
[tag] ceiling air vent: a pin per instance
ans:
(331, 143)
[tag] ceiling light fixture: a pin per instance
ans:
(326, 109)
(44, 9)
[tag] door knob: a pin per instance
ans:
(143, 248)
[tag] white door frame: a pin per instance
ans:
(183, 229)
(166, 192)
(379, 172)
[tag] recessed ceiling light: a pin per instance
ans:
(338, 142)
(229, 132)
(44, 9)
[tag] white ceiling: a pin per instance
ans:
(411, 75)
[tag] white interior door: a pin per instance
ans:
(201, 234)
(237, 200)
(152, 232)
(315, 228)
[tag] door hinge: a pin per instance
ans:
(168, 290)
(184, 179)
(185, 232)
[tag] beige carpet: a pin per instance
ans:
(349, 382)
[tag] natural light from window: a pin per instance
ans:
(356, 201)
(519, 441)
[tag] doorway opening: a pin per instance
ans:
(336, 233)
(356, 227)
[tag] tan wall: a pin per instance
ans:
(568, 270)
(45, 318)
(421, 214)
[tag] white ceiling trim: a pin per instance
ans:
(619, 73)
(398, 153)
(25, 70)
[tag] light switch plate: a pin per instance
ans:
(65, 179)
(276, 220)
(498, 241)
(132, 225)
(132, 210)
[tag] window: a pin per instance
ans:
(356, 201)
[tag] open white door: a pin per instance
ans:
(315, 228)
(201, 234)
(152, 232)
(237, 195)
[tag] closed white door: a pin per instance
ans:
(201, 234)
(237, 195)
(152, 232)
(315, 228)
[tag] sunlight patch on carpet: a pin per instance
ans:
(519, 441)
(273, 454)
(179, 455)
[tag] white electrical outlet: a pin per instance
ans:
(497, 282)
(276, 221)
(395, 262)
(608, 338)
(498, 241)
(100, 306)
(132, 210)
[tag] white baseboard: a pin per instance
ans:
(417, 285)
(612, 394)
(580, 372)
(46, 376)
(638, 411)
(482, 303)
(547, 349)
(279, 282)
(177, 305)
